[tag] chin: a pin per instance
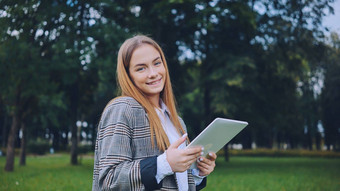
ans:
(155, 91)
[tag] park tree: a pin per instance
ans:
(222, 70)
(27, 33)
(330, 98)
(47, 51)
(255, 60)
(76, 73)
(75, 45)
(19, 88)
(107, 37)
(288, 33)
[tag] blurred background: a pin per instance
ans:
(272, 63)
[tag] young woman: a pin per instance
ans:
(141, 139)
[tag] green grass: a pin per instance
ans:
(282, 153)
(47, 173)
(241, 173)
(268, 173)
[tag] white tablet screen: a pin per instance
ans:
(217, 134)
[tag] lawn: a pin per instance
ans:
(269, 173)
(50, 172)
(241, 173)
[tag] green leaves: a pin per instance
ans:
(249, 60)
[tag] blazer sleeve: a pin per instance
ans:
(115, 168)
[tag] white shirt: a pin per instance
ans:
(163, 166)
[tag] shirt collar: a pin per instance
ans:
(163, 108)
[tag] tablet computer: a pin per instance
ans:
(216, 135)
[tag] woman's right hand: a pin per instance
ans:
(181, 159)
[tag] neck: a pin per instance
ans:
(154, 100)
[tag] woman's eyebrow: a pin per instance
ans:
(143, 64)
(156, 58)
(138, 65)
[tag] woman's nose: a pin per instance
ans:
(152, 72)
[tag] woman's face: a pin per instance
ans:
(147, 70)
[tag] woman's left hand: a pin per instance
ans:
(206, 165)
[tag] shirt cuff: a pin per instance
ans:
(197, 178)
(163, 168)
(148, 170)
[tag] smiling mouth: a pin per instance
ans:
(154, 82)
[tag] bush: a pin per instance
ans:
(282, 153)
(83, 149)
(4, 151)
(38, 147)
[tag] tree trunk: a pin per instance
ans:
(207, 105)
(4, 131)
(73, 126)
(74, 146)
(11, 143)
(318, 141)
(64, 140)
(226, 153)
(56, 139)
(23, 146)
(309, 141)
(247, 140)
(274, 144)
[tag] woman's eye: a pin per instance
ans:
(140, 69)
(158, 63)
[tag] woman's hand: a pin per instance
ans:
(206, 165)
(181, 159)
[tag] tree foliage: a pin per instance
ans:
(261, 61)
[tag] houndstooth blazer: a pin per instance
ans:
(124, 157)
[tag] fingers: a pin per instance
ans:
(192, 154)
(205, 162)
(204, 170)
(206, 165)
(203, 166)
(193, 151)
(212, 156)
(191, 158)
(179, 141)
(186, 163)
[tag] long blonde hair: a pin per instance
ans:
(127, 88)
